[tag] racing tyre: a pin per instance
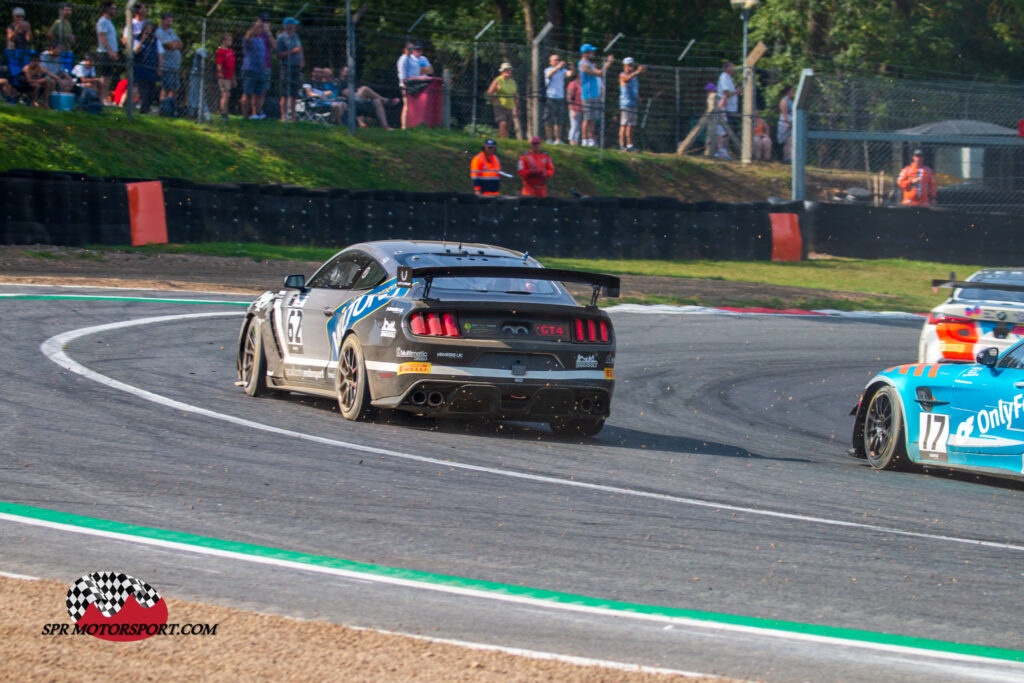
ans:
(577, 427)
(350, 380)
(253, 364)
(884, 431)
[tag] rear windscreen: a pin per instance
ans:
(505, 285)
(984, 294)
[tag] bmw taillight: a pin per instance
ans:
(936, 318)
(434, 324)
(590, 330)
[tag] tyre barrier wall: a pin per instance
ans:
(72, 210)
(918, 234)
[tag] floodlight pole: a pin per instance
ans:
(533, 104)
(604, 81)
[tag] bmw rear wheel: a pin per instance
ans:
(350, 380)
(253, 364)
(577, 426)
(884, 431)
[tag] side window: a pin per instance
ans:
(341, 273)
(1013, 359)
(373, 274)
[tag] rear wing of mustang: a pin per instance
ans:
(608, 284)
(953, 283)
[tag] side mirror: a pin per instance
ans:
(295, 282)
(987, 357)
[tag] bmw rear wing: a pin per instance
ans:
(953, 283)
(608, 284)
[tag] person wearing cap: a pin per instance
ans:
(591, 83)
(535, 168)
(917, 182)
(60, 30)
(485, 171)
(170, 58)
(289, 51)
(19, 33)
(411, 64)
(106, 49)
(504, 96)
(629, 102)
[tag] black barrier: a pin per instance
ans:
(920, 234)
(57, 208)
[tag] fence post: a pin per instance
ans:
(533, 104)
(130, 60)
(604, 83)
(350, 48)
(446, 116)
(799, 134)
(202, 77)
(476, 85)
(682, 55)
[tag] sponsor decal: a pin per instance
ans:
(586, 360)
(293, 329)
(297, 300)
(291, 372)
(973, 311)
(1004, 414)
(407, 353)
(395, 309)
(404, 278)
(414, 368)
(118, 607)
(387, 328)
(609, 373)
(609, 360)
(354, 310)
(449, 354)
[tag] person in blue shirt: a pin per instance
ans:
(592, 84)
(629, 102)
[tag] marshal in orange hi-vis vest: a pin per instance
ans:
(485, 172)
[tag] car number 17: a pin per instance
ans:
(932, 437)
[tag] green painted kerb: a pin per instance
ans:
(47, 297)
(505, 589)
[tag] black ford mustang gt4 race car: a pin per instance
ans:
(439, 330)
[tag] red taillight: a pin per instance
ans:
(450, 328)
(434, 324)
(936, 318)
(590, 330)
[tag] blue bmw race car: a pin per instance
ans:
(968, 417)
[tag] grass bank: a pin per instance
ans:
(316, 155)
(888, 284)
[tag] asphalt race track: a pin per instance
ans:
(720, 488)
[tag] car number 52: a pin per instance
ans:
(934, 433)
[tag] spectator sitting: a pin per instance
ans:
(84, 73)
(19, 33)
(52, 61)
(34, 80)
(60, 31)
(324, 94)
(367, 101)
(5, 84)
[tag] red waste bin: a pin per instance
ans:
(425, 101)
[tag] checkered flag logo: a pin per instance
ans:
(108, 591)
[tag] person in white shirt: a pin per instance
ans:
(554, 98)
(729, 103)
(106, 50)
(411, 64)
(84, 73)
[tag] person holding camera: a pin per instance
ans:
(629, 102)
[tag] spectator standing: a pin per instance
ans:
(554, 98)
(918, 182)
(106, 50)
(84, 73)
(225, 72)
(786, 123)
(591, 83)
(411, 64)
(574, 95)
(535, 168)
(140, 12)
(729, 103)
(61, 31)
(762, 139)
(254, 79)
(289, 51)
(146, 65)
(269, 45)
(503, 92)
(485, 171)
(629, 102)
(170, 61)
(19, 33)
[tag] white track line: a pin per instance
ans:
(53, 348)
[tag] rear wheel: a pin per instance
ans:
(350, 380)
(577, 427)
(253, 365)
(884, 431)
